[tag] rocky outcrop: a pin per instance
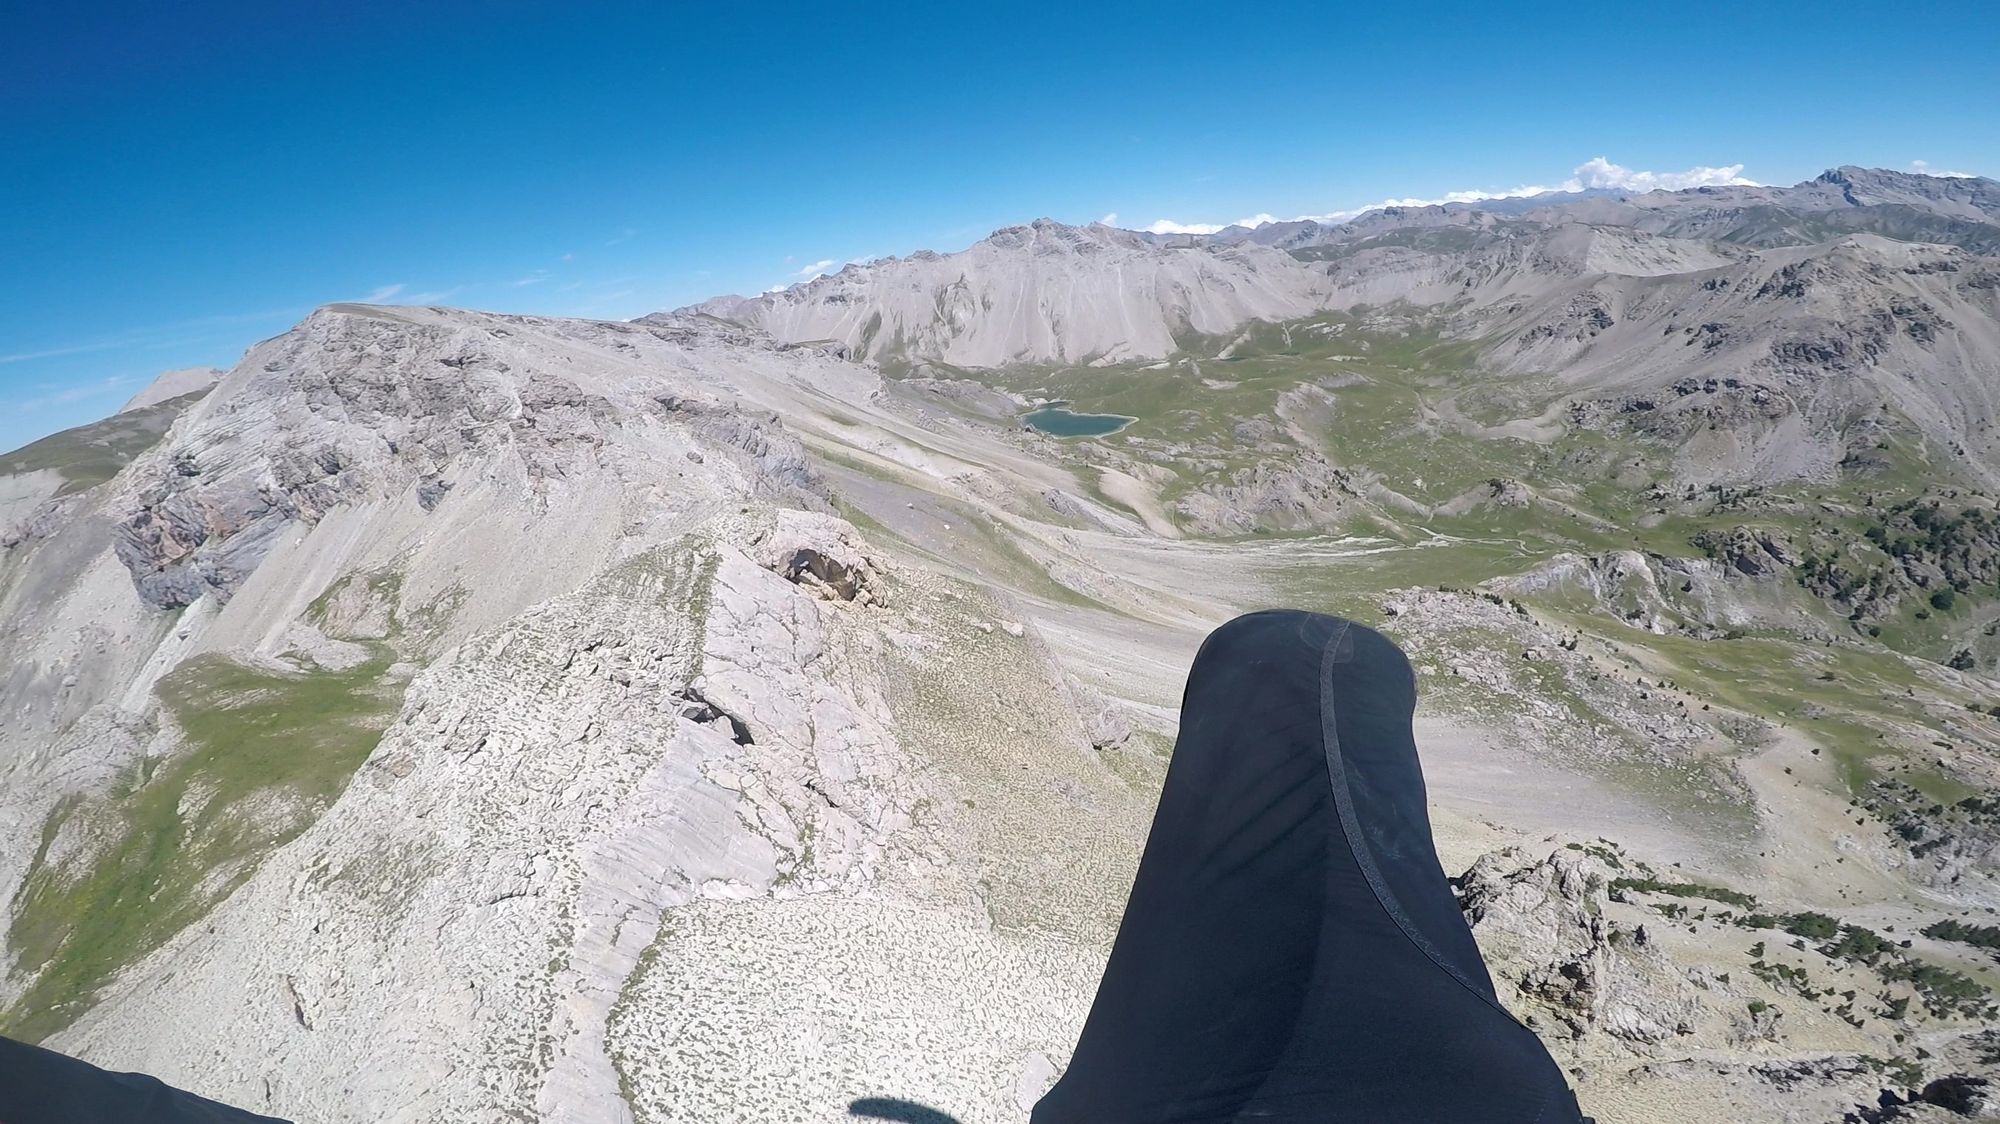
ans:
(1301, 492)
(1734, 590)
(823, 555)
(521, 831)
(1949, 845)
(1751, 551)
(359, 404)
(1566, 968)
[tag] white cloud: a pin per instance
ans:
(1596, 172)
(535, 278)
(1109, 220)
(1923, 168)
(1599, 172)
(394, 294)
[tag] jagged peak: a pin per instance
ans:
(1046, 235)
(1854, 175)
(1847, 174)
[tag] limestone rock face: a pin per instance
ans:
(400, 478)
(822, 554)
(376, 404)
(496, 869)
(1041, 292)
(1541, 924)
(644, 712)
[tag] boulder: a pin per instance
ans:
(1557, 959)
(822, 554)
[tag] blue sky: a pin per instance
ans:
(181, 180)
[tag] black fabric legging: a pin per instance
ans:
(40, 1086)
(1291, 951)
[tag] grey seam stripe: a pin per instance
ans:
(1343, 801)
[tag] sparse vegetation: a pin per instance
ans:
(264, 751)
(1686, 890)
(1944, 992)
(1812, 926)
(91, 454)
(1858, 944)
(1979, 936)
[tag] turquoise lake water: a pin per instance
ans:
(1057, 420)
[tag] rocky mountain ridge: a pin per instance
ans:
(461, 715)
(1816, 322)
(1044, 291)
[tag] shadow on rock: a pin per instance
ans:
(901, 1111)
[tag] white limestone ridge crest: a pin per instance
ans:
(1044, 292)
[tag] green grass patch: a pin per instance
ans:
(1785, 681)
(1686, 890)
(91, 454)
(265, 752)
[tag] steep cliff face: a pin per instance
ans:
(401, 478)
(381, 719)
(385, 405)
(462, 466)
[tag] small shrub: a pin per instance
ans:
(1686, 890)
(1814, 926)
(1982, 936)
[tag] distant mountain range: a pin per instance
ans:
(1833, 304)
(746, 710)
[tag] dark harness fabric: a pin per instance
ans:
(40, 1086)
(1291, 951)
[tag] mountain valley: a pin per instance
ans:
(745, 710)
